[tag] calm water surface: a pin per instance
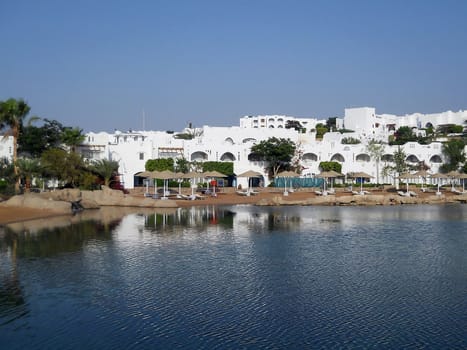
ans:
(239, 277)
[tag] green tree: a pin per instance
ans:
(63, 166)
(72, 137)
(34, 140)
(376, 151)
(328, 166)
(106, 169)
(28, 168)
(321, 129)
(277, 152)
(294, 124)
(12, 114)
(453, 151)
(225, 168)
(182, 165)
(404, 134)
(159, 164)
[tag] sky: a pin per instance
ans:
(159, 65)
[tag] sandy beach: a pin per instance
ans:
(229, 197)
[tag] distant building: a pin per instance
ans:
(233, 144)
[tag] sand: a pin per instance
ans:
(229, 197)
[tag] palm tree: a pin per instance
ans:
(105, 169)
(12, 114)
(28, 168)
(376, 151)
(72, 137)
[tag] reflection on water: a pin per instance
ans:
(237, 277)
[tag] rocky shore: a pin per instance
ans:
(48, 204)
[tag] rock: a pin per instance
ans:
(37, 202)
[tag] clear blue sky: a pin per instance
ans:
(98, 64)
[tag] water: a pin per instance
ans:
(239, 277)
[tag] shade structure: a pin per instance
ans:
(439, 176)
(406, 177)
(285, 175)
(249, 174)
(423, 174)
(162, 175)
(360, 175)
(454, 175)
(463, 177)
(328, 175)
(192, 175)
(213, 174)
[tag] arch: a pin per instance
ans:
(338, 158)
(253, 157)
(412, 158)
(199, 156)
(271, 126)
(362, 157)
(436, 159)
(310, 157)
(228, 157)
(280, 126)
(249, 139)
(229, 140)
(387, 158)
(280, 120)
(428, 125)
(271, 120)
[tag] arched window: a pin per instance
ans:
(362, 157)
(309, 157)
(436, 159)
(253, 157)
(227, 157)
(198, 156)
(229, 140)
(249, 139)
(412, 159)
(338, 158)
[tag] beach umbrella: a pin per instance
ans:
(423, 174)
(463, 177)
(163, 175)
(179, 177)
(453, 175)
(360, 175)
(192, 175)
(327, 175)
(145, 174)
(406, 177)
(285, 175)
(250, 174)
(213, 174)
(439, 176)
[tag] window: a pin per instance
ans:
(141, 156)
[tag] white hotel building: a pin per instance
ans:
(233, 144)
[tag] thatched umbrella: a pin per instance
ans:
(423, 174)
(249, 174)
(213, 174)
(192, 175)
(360, 175)
(438, 176)
(328, 175)
(406, 177)
(285, 175)
(163, 175)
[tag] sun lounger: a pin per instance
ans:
(456, 191)
(403, 194)
(412, 194)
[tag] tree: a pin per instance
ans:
(400, 165)
(321, 129)
(404, 134)
(28, 168)
(277, 152)
(331, 124)
(453, 151)
(159, 164)
(34, 140)
(294, 124)
(376, 151)
(63, 166)
(106, 169)
(72, 137)
(182, 165)
(12, 114)
(331, 166)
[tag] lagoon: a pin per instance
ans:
(239, 277)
